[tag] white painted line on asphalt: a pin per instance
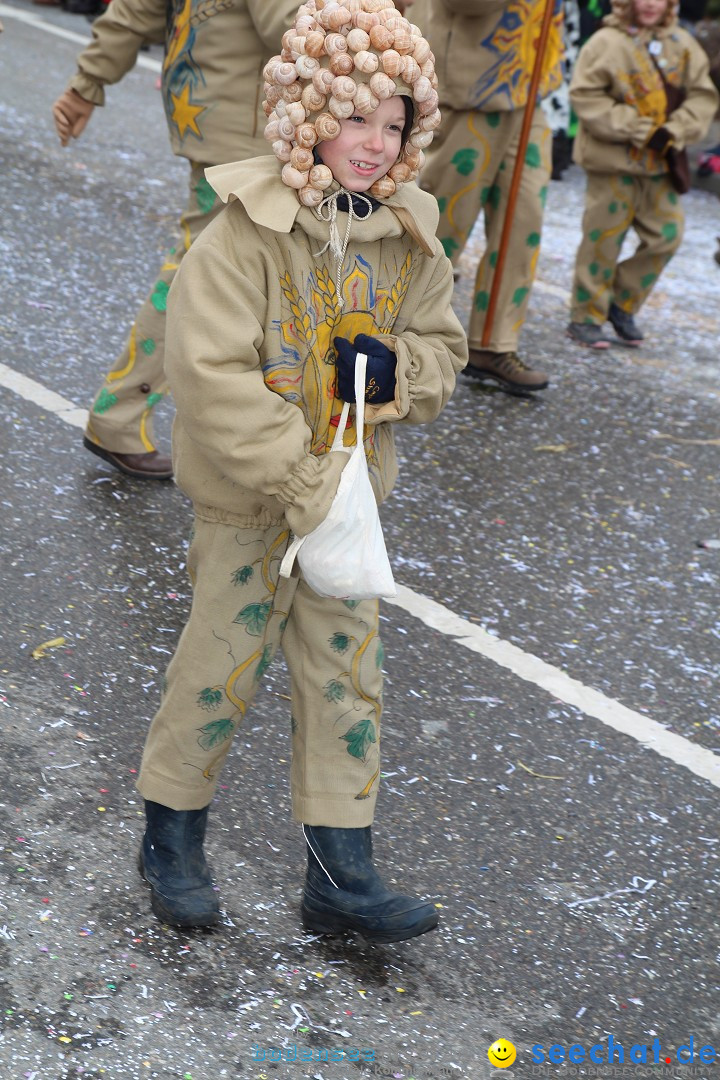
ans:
(40, 395)
(649, 733)
(37, 21)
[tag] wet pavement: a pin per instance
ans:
(576, 870)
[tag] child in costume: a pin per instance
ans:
(326, 252)
(642, 92)
(211, 91)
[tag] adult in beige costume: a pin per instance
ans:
(329, 250)
(212, 93)
(642, 92)
(485, 51)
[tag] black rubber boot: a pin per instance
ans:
(343, 891)
(625, 326)
(172, 862)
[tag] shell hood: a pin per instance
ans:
(337, 59)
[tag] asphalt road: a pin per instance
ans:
(558, 800)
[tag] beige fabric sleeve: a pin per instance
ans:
(430, 352)
(604, 117)
(215, 327)
(117, 37)
(691, 121)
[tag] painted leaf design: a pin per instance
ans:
(264, 662)
(242, 575)
(360, 738)
(215, 732)
(464, 161)
(339, 643)
(253, 617)
(105, 401)
(209, 698)
(334, 690)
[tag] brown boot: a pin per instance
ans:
(506, 368)
(151, 466)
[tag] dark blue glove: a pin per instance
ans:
(379, 374)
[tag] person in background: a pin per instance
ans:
(642, 93)
(211, 89)
(485, 56)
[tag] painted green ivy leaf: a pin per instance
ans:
(334, 690)
(105, 401)
(482, 299)
(464, 161)
(352, 604)
(533, 157)
(339, 643)
(582, 294)
(148, 346)
(669, 230)
(205, 195)
(380, 654)
(242, 575)
(360, 738)
(450, 245)
(533, 240)
(159, 295)
(215, 732)
(493, 119)
(209, 698)
(519, 295)
(491, 195)
(264, 662)
(254, 617)
(442, 203)
(153, 400)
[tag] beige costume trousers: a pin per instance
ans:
(613, 203)
(120, 418)
(242, 612)
(469, 170)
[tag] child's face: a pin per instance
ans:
(649, 12)
(367, 146)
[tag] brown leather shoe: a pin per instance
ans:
(505, 368)
(152, 466)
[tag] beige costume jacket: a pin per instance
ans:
(484, 51)
(616, 83)
(212, 72)
(252, 315)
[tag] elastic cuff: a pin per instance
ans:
(299, 481)
(169, 793)
(334, 812)
(87, 88)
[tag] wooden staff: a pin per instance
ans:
(517, 173)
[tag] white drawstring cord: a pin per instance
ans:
(327, 211)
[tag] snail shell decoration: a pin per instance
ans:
(340, 59)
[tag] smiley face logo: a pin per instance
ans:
(502, 1054)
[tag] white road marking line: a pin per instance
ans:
(649, 733)
(37, 21)
(40, 395)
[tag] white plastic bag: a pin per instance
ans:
(345, 556)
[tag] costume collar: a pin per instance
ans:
(271, 204)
